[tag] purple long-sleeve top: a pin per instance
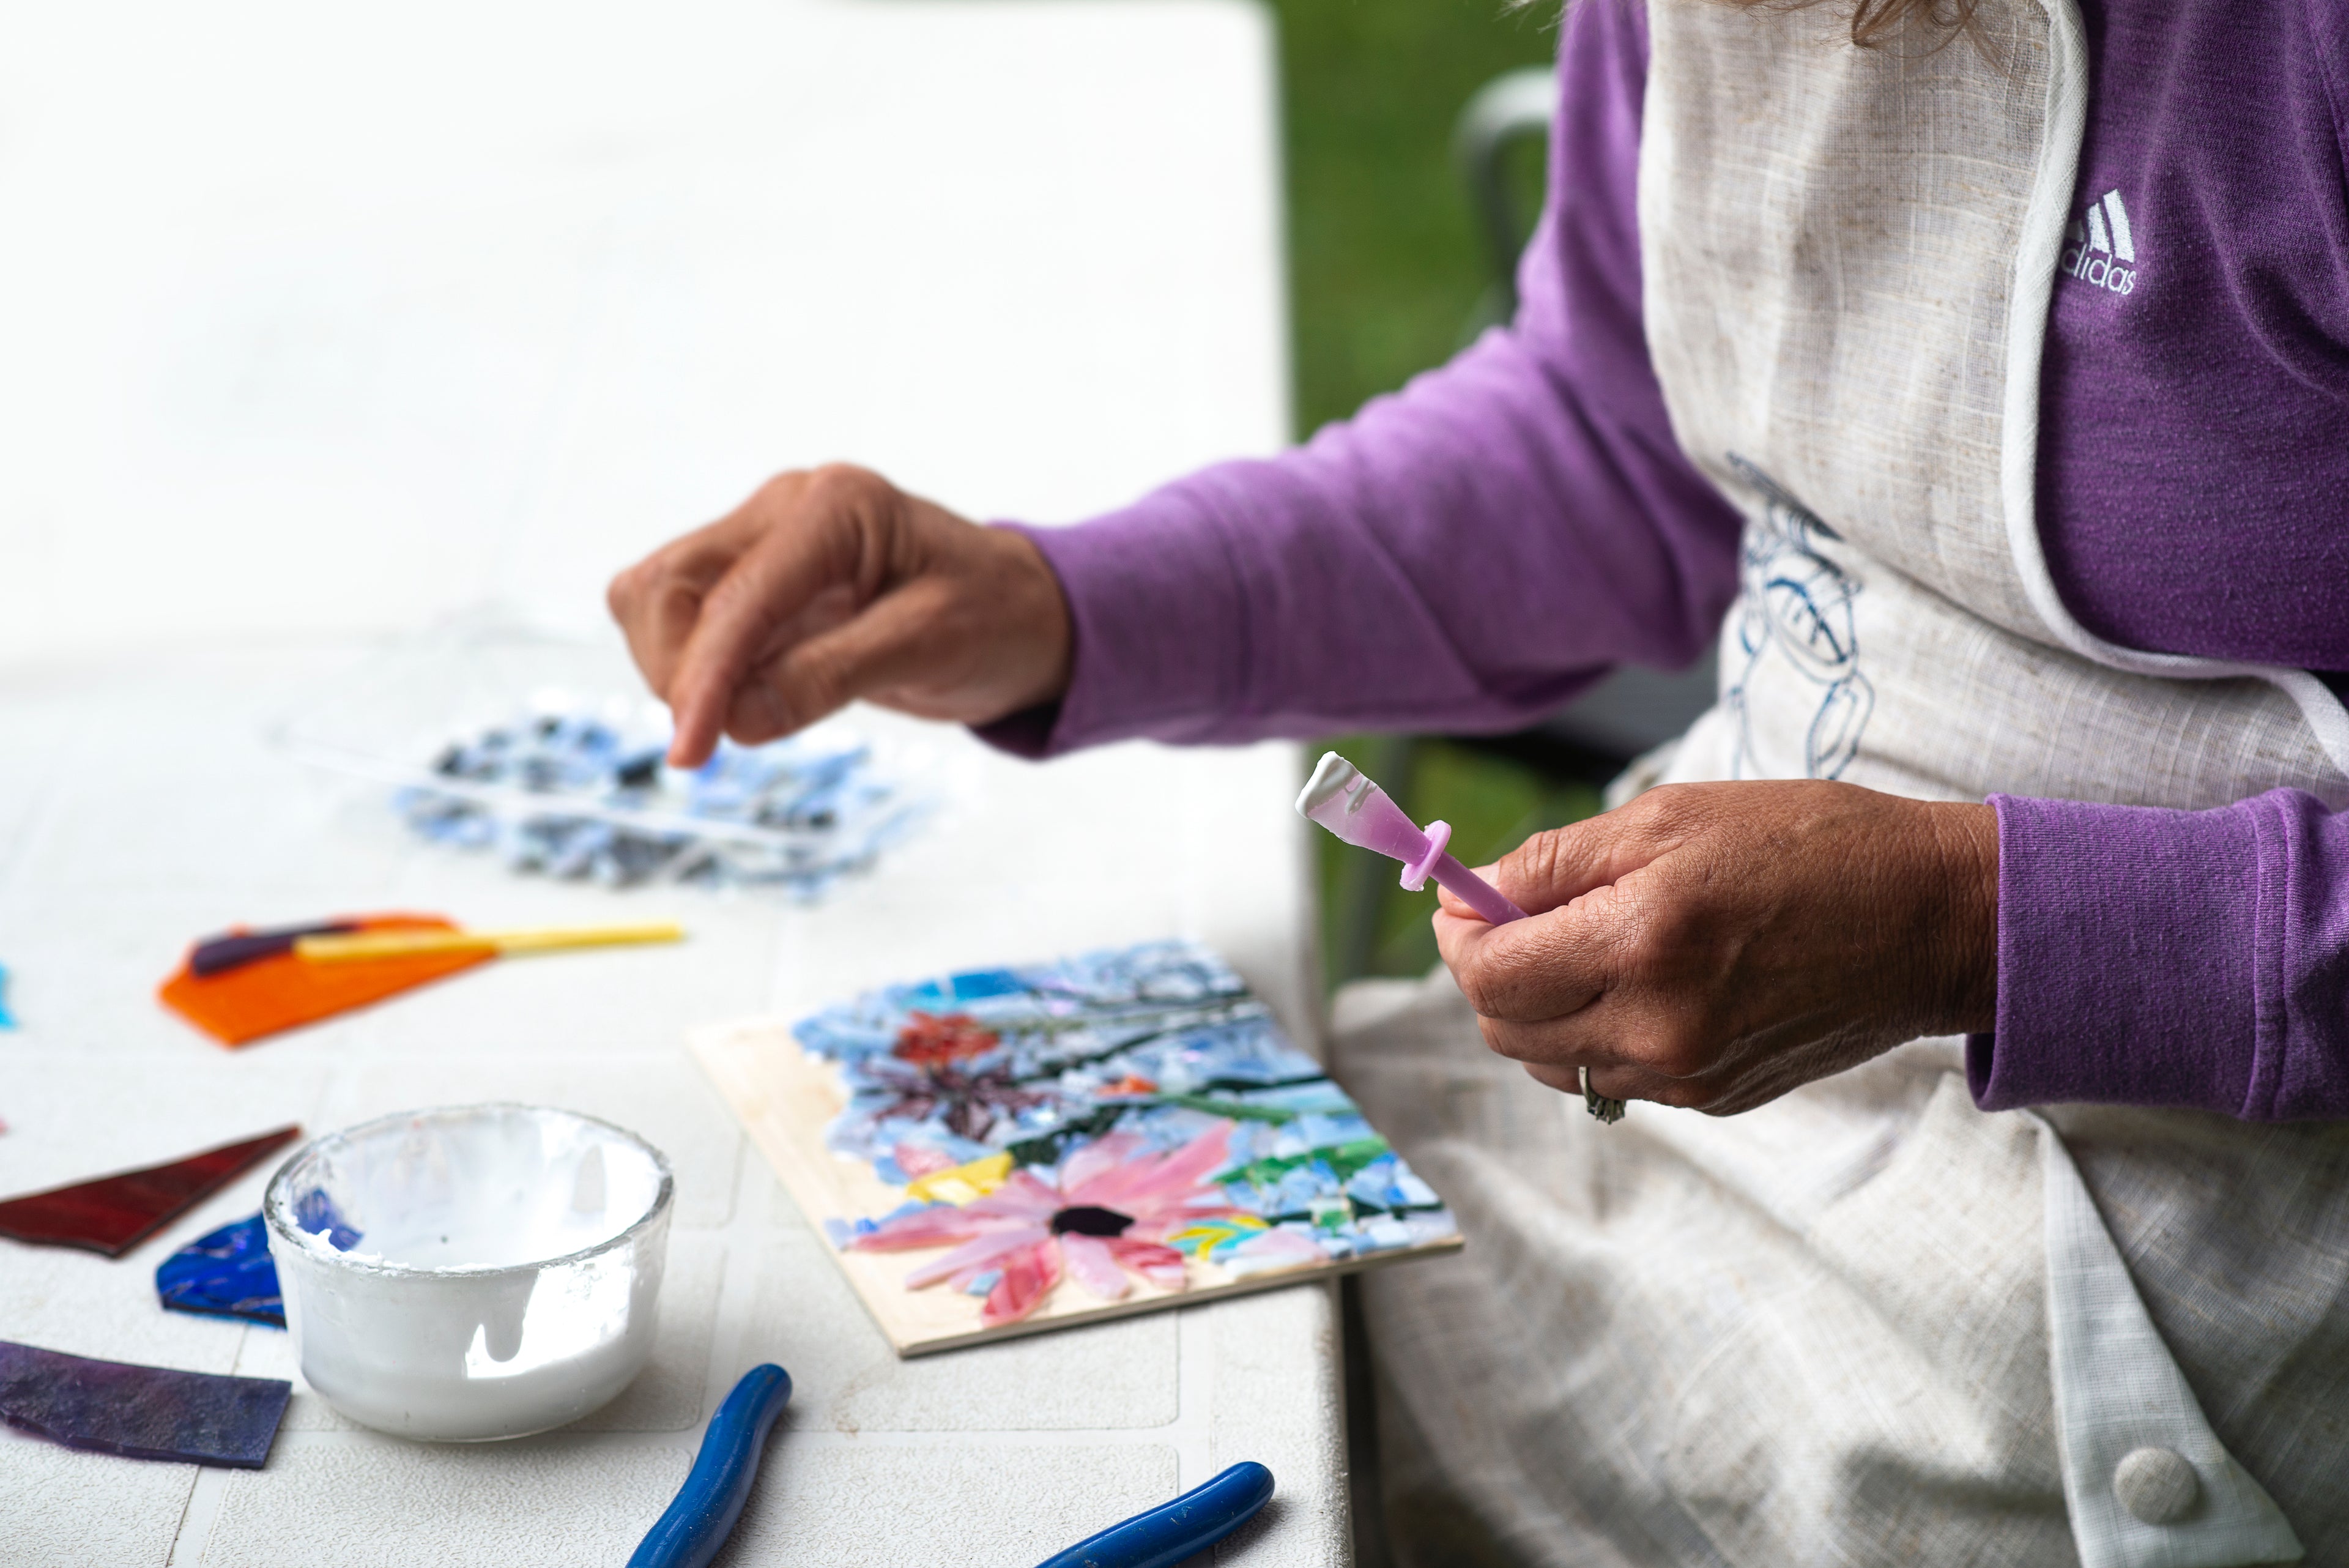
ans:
(1471, 552)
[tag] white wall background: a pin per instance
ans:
(317, 317)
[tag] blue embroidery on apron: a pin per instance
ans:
(1794, 608)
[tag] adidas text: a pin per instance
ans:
(2102, 248)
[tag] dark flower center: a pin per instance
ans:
(1084, 1220)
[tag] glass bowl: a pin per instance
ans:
(471, 1272)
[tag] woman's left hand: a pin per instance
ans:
(1715, 945)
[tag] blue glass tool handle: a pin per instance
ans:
(703, 1514)
(1172, 1531)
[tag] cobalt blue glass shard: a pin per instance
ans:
(225, 1275)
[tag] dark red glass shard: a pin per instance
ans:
(141, 1412)
(115, 1214)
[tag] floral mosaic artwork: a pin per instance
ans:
(1120, 1125)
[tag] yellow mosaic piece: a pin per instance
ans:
(1202, 1237)
(965, 1183)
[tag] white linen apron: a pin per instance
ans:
(1870, 1322)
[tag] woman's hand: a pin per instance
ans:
(1715, 945)
(832, 583)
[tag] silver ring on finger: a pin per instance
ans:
(1607, 1111)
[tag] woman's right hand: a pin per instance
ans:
(832, 583)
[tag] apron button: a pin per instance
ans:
(2156, 1485)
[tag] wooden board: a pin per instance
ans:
(785, 1098)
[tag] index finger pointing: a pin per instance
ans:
(657, 600)
(826, 540)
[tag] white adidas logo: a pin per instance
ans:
(2100, 245)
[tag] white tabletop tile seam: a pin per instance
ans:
(195, 1529)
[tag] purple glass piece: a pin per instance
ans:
(141, 1412)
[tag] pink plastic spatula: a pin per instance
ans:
(1341, 799)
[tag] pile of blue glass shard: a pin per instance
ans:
(796, 814)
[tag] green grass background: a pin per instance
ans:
(1387, 264)
(1388, 274)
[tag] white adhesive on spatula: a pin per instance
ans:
(1335, 795)
(1333, 776)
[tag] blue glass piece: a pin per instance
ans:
(1411, 1192)
(225, 1275)
(926, 994)
(1321, 1130)
(7, 1019)
(316, 1212)
(1299, 1189)
(986, 982)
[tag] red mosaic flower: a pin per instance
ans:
(956, 1037)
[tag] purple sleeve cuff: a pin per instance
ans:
(1149, 589)
(1026, 733)
(2170, 958)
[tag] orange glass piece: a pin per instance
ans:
(283, 991)
(1132, 1084)
(114, 1213)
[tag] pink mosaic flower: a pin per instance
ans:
(1115, 1207)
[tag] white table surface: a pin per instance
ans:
(323, 324)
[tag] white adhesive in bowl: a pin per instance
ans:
(471, 1272)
